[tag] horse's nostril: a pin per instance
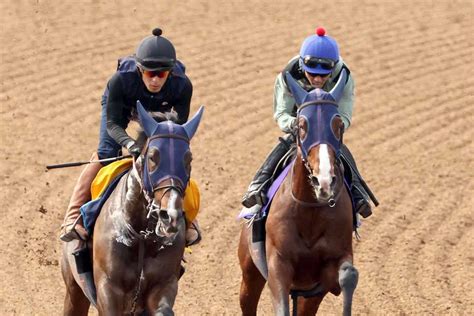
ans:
(172, 229)
(314, 181)
(164, 215)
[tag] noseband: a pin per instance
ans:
(154, 209)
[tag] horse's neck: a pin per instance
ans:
(134, 202)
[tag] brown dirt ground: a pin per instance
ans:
(412, 136)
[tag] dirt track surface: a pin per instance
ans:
(411, 134)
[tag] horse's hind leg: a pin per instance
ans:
(75, 302)
(348, 278)
(252, 280)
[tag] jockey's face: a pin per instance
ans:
(316, 80)
(154, 80)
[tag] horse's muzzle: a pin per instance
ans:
(167, 225)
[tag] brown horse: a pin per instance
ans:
(310, 221)
(139, 236)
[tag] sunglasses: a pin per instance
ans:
(317, 75)
(155, 73)
(324, 63)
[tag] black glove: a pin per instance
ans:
(134, 150)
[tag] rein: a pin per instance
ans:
(149, 233)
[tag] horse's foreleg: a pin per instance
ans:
(348, 278)
(110, 298)
(280, 276)
(161, 300)
(75, 302)
(252, 280)
(309, 306)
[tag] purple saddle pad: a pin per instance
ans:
(271, 192)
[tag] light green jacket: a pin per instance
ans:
(284, 103)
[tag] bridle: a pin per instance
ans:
(313, 179)
(153, 210)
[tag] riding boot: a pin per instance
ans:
(193, 233)
(361, 198)
(73, 227)
(256, 193)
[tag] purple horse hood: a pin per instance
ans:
(171, 140)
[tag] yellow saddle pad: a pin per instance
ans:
(192, 197)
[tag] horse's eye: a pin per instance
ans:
(302, 128)
(153, 157)
(188, 157)
(337, 127)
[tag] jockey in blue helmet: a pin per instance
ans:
(318, 65)
(155, 77)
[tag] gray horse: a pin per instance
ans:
(139, 236)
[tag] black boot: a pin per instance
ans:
(256, 193)
(361, 198)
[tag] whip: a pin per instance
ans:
(80, 163)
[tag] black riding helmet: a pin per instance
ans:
(155, 52)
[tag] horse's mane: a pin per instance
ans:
(159, 117)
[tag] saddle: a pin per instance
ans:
(106, 181)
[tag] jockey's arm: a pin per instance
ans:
(182, 103)
(283, 105)
(117, 112)
(346, 103)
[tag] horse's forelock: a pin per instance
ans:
(159, 117)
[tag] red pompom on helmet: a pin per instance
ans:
(320, 31)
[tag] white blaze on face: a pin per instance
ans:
(172, 209)
(324, 176)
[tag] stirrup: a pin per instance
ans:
(194, 240)
(255, 197)
(250, 211)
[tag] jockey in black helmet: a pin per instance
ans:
(156, 78)
(317, 66)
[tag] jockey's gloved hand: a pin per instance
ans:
(294, 126)
(133, 149)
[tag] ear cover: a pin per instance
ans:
(336, 92)
(191, 126)
(298, 92)
(148, 124)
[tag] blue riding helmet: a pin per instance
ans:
(319, 53)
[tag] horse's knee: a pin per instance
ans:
(348, 276)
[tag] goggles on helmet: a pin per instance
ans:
(155, 64)
(313, 62)
(318, 75)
